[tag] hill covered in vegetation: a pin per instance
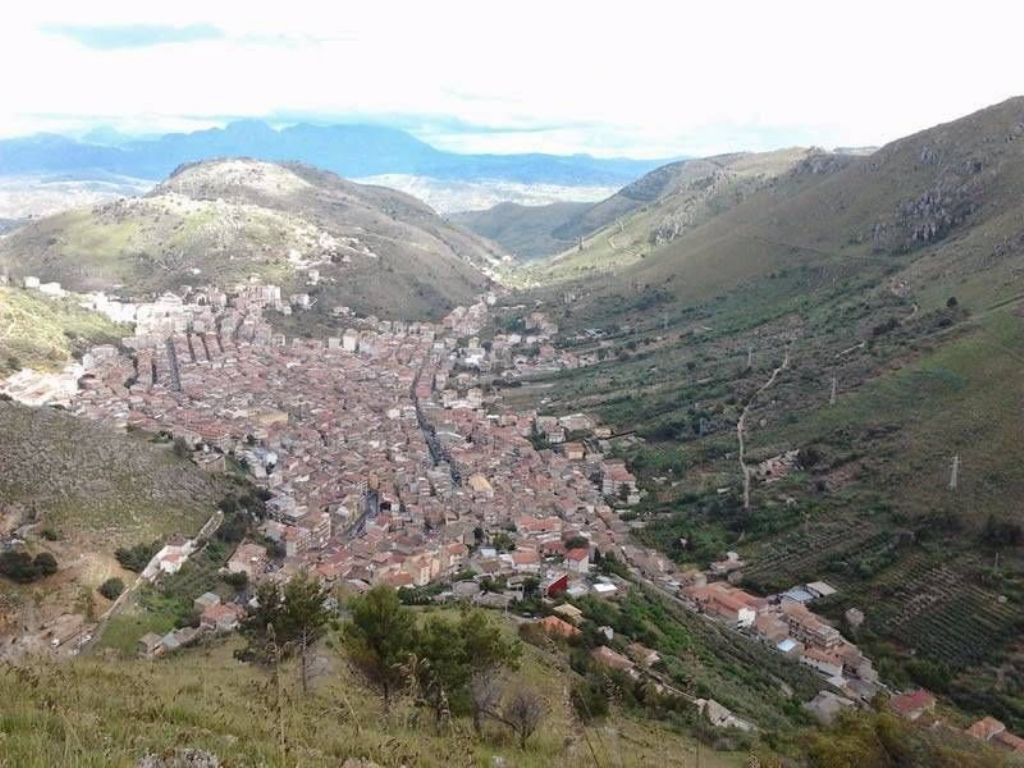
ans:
(221, 222)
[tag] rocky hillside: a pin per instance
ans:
(222, 221)
(656, 208)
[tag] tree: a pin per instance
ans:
(578, 542)
(485, 692)
(21, 567)
(523, 712)
(452, 653)
(111, 588)
(380, 638)
(181, 448)
(288, 621)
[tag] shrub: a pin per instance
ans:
(181, 448)
(111, 588)
(136, 558)
(45, 564)
(21, 567)
(589, 698)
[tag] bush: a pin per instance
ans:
(136, 558)
(590, 698)
(181, 448)
(45, 564)
(50, 533)
(111, 588)
(21, 567)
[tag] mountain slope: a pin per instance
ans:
(653, 209)
(350, 150)
(867, 315)
(221, 221)
(527, 232)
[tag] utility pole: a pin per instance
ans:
(954, 474)
(750, 357)
(835, 386)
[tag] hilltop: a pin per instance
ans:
(220, 222)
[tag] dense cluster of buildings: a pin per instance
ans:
(382, 459)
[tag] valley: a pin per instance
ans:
(732, 455)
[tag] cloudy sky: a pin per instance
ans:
(639, 78)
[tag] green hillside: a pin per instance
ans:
(220, 222)
(45, 334)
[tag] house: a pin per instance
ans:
(569, 612)
(578, 560)
(720, 717)
(986, 729)
(809, 628)
(910, 706)
(994, 732)
(221, 618)
(829, 664)
(606, 657)
(772, 628)
(574, 451)
(554, 626)
(733, 605)
(205, 600)
(249, 558)
(526, 560)
(556, 585)
(605, 589)
(149, 645)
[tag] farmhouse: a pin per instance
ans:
(910, 706)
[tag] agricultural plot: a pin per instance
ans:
(934, 609)
(808, 551)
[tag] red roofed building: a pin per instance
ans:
(554, 626)
(911, 706)
(578, 560)
(556, 585)
(986, 729)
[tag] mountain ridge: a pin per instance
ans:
(346, 149)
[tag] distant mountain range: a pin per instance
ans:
(348, 150)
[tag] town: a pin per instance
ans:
(385, 458)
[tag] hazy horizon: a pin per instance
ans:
(556, 78)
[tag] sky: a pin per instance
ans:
(640, 78)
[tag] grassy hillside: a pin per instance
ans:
(44, 334)
(220, 222)
(79, 490)
(112, 714)
(94, 484)
(526, 232)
